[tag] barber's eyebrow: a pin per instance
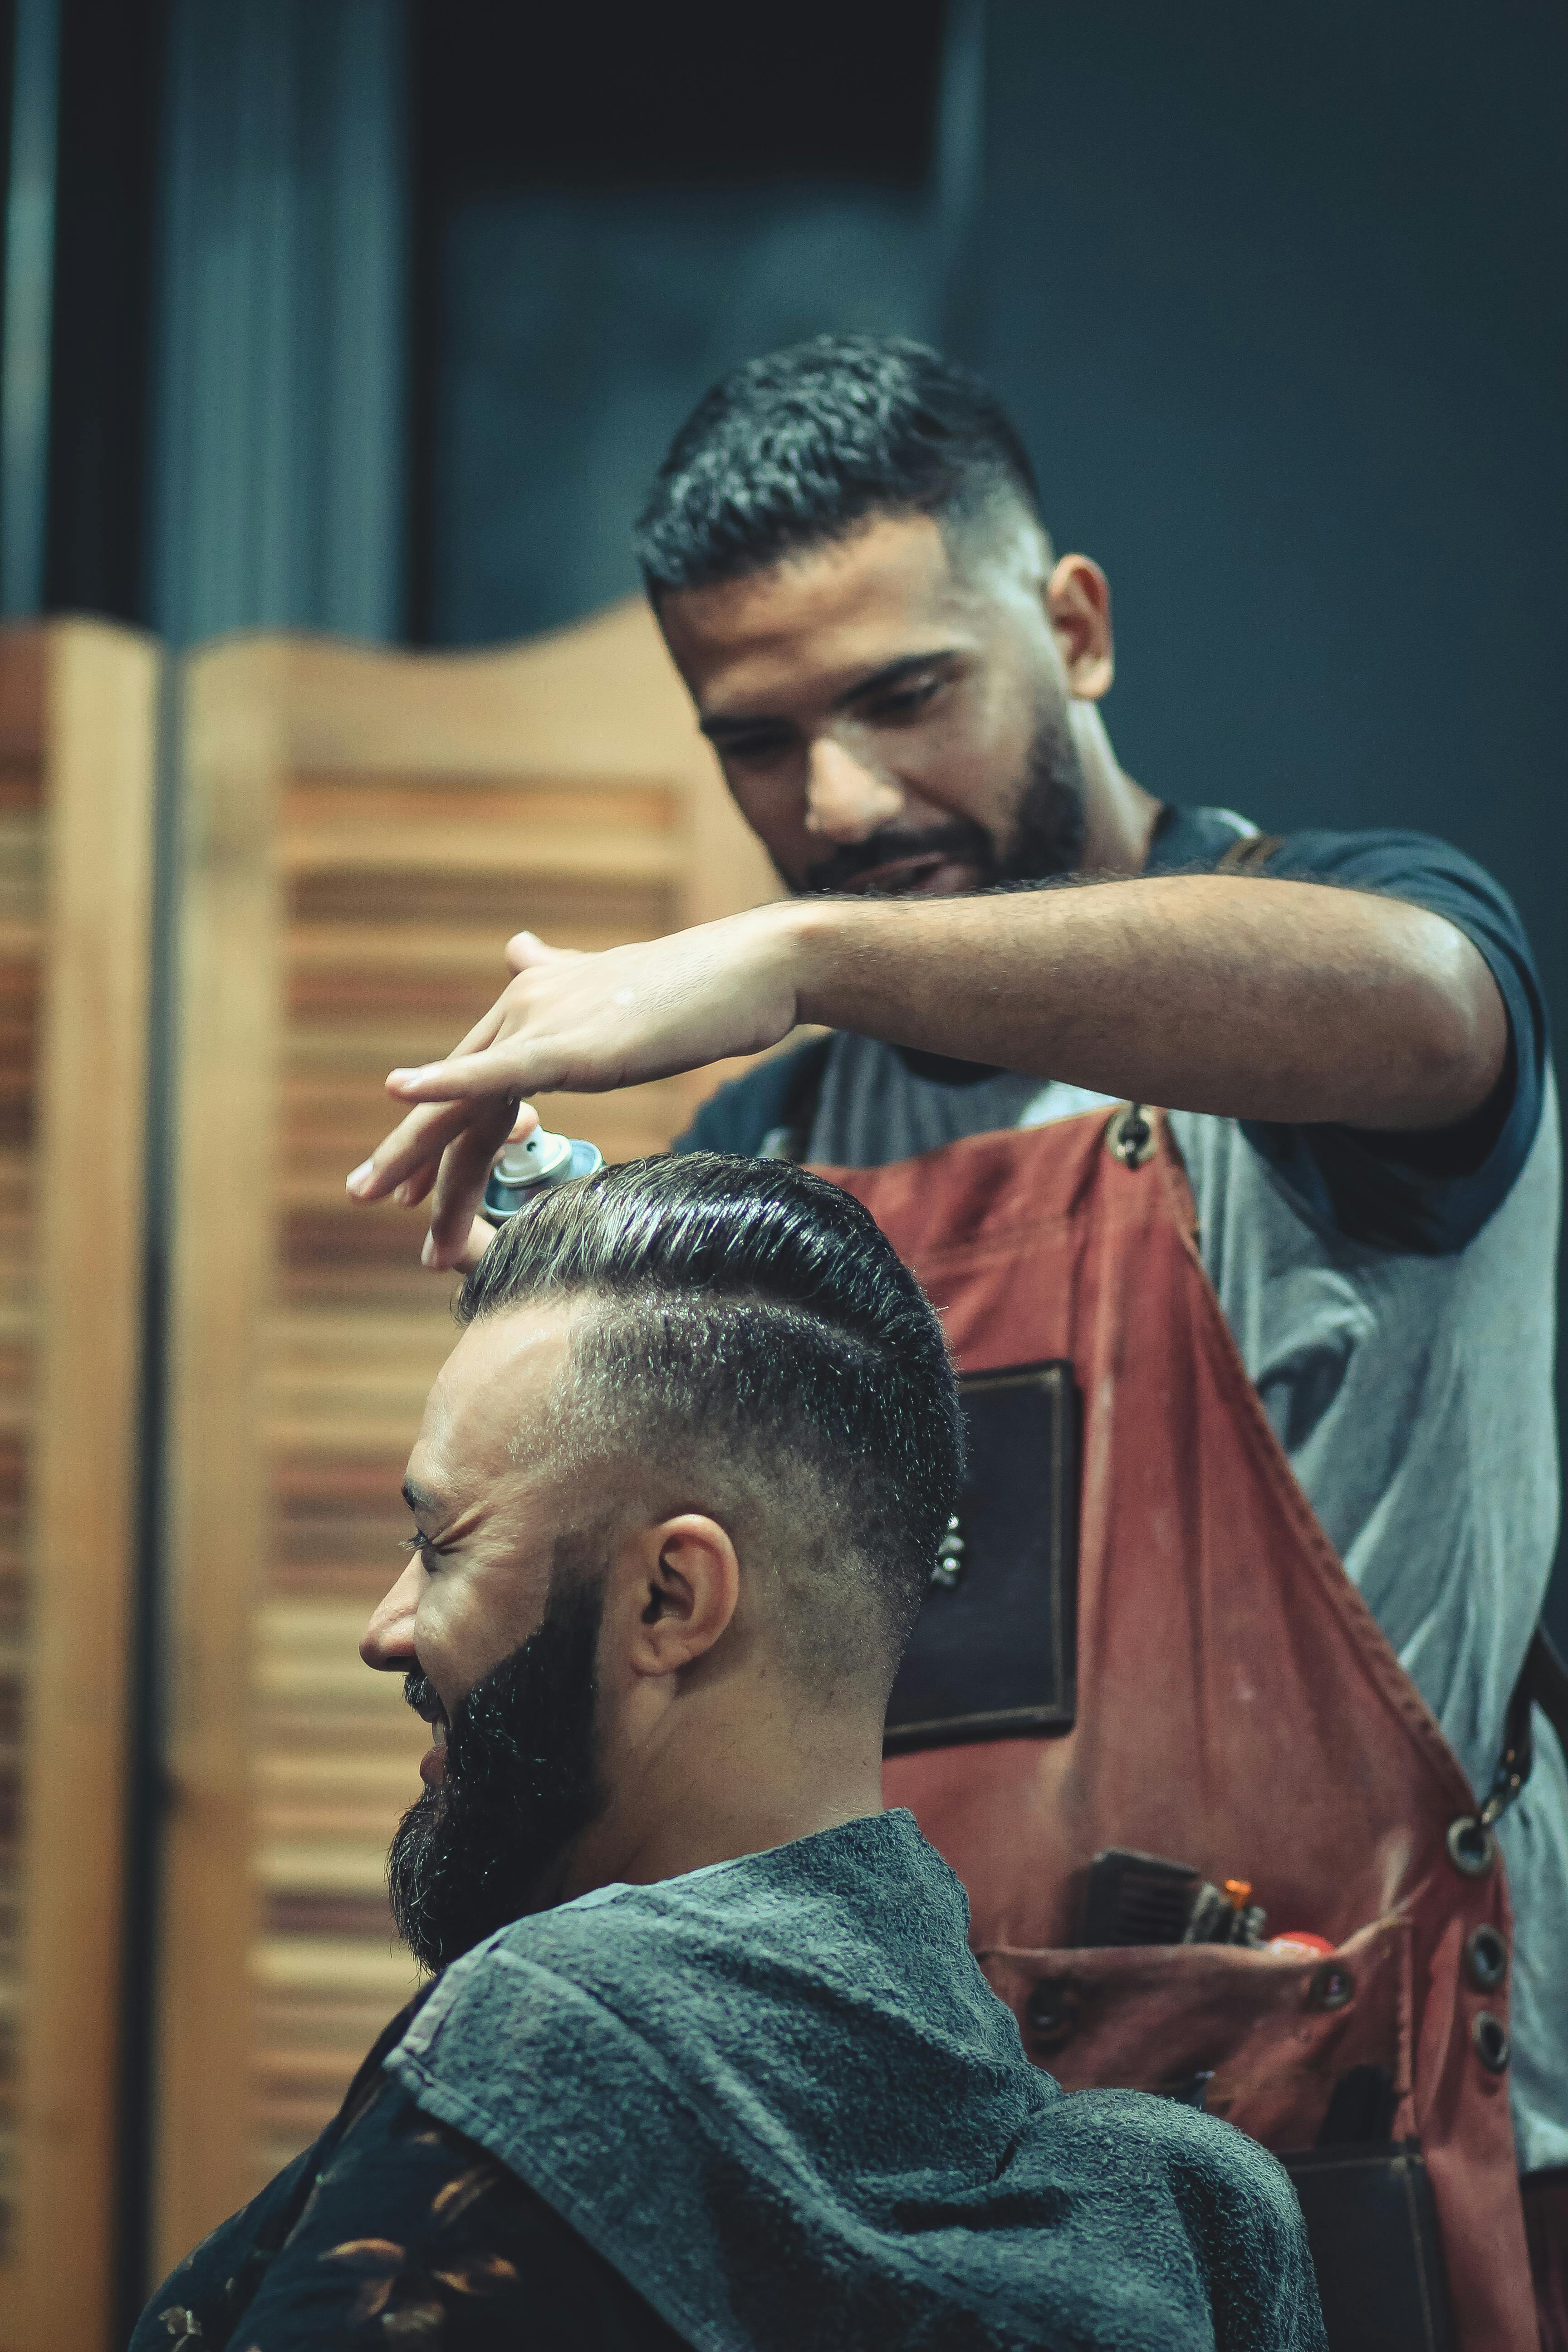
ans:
(722, 725)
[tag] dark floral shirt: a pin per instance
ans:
(395, 2230)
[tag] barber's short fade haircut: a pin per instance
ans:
(801, 447)
(750, 1314)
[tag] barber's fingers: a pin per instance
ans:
(485, 1031)
(410, 1154)
(481, 1233)
(510, 1067)
(462, 1177)
(483, 1034)
(416, 1188)
(525, 951)
(426, 1131)
(416, 1143)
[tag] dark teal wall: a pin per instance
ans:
(1280, 296)
(579, 327)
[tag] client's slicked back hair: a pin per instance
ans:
(751, 1316)
(801, 447)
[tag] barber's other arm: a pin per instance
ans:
(1247, 997)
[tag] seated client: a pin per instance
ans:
(705, 2060)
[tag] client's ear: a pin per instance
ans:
(688, 1581)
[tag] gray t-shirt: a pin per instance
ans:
(1393, 1300)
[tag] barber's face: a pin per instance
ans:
(495, 1623)
(889, 722)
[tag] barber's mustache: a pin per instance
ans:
(962, 840)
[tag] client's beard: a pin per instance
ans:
(520, 1784)
(1045, 839)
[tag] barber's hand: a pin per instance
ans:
(579, 1024)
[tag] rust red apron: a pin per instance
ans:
(1238, 1709)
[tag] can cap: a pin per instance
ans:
(543, 1155)
(524, 1171)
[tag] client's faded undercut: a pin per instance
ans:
(752, 1326)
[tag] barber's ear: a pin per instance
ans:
(1078, 606)
(689, 1581)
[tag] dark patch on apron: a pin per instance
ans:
(992, 1652)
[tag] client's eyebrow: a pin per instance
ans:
(420, 1500)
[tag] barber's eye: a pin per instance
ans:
(908, 702)
(755, 751)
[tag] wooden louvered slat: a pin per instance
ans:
(363, 831)
(77, 730)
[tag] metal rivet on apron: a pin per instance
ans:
(1332, 1987)
(1486, 1958)
(1470, 1846)
(1489, 2036)
(1129, 1136)
(1048, 2015)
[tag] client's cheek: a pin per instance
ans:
(464, 1633)
(451, 1657)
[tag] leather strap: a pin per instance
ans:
(1252, 850)
(791, 1140)
(1548, 1680)
(1542, 1683)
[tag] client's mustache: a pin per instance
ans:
(420, 1693)
(962, 840)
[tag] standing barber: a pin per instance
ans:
(1307, 1300)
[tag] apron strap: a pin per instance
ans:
(791, 1138)
(1542, 1683)
(1549, 1681)
(1252, 850)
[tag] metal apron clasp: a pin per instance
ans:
(1130, 1137)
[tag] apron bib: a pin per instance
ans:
(1237, 1709)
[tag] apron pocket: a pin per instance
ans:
(1372, 2228)
(1261, 2039)
(1312, 2057)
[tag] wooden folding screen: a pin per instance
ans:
(77, 733)
(364, 831)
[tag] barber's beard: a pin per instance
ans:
(1045, 833)
(1049, 819)
(519, 1785)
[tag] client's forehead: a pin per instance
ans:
(491, 1396)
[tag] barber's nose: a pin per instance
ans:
(387, 1642)
(846, 801)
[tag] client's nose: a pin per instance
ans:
(387, 1642)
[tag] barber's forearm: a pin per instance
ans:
(1250, 998)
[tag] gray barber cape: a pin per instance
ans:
(779, 2096)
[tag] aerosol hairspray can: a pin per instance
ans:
(524, 1170)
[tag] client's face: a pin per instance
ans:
(495, 1623)
(518, 1786)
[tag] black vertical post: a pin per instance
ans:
(109, 88)
(146, 1781)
